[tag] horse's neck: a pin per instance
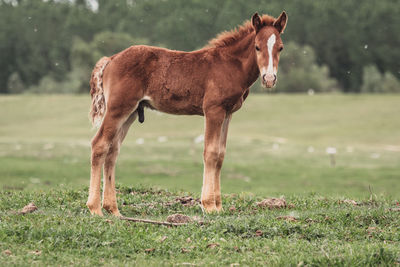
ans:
(244, 51)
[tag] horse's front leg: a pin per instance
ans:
(214, 120)
(222, 150)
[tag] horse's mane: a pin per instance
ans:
(228, 38)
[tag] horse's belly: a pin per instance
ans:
(180, 103)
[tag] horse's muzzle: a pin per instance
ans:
(268, 80)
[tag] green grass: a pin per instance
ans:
(328, 231)
(45, 142)
(44, 158)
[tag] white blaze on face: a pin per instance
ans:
(270, 46)
(270, 70)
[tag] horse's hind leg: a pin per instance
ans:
(109, 193)
(100, 147)
(102, 144)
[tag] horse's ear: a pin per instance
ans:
(280, 22)
(256, 22)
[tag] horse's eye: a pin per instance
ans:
(257, 48)
(280, 48)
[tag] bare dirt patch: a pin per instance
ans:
(179, 218)
(287, 218)
(259, 233)
(149, 250)
(188, 201)
(348, 201)
(37, 252)
(31, 207)
(7, 252)
(213, 245)
(272, 203)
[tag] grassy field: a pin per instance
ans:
(276, 147)
(321, 231)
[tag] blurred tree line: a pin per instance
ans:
(51, 46)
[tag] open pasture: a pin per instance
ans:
(347, 214)
(276, 145)
(313, 230)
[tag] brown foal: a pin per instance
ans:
(212, 82)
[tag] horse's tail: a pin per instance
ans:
(98, 107)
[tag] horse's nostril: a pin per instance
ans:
(274, 77)
(263, 77)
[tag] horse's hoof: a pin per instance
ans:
(211, 208)
(94, 210)
(219, 208)
(97, 212)
(116, 213)
(112, 209)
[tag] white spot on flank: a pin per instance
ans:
(270, 45)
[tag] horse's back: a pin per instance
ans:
(171, 81)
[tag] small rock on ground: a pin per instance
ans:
(349, 201)
(7, 252)
(272, 203)
(287, 218)
(179, 218)
(213, 245)
(28, 209)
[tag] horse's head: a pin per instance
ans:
(268, 45)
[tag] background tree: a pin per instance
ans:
(84, 56)
(375, 82)
(37, 37)
(299, 72)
